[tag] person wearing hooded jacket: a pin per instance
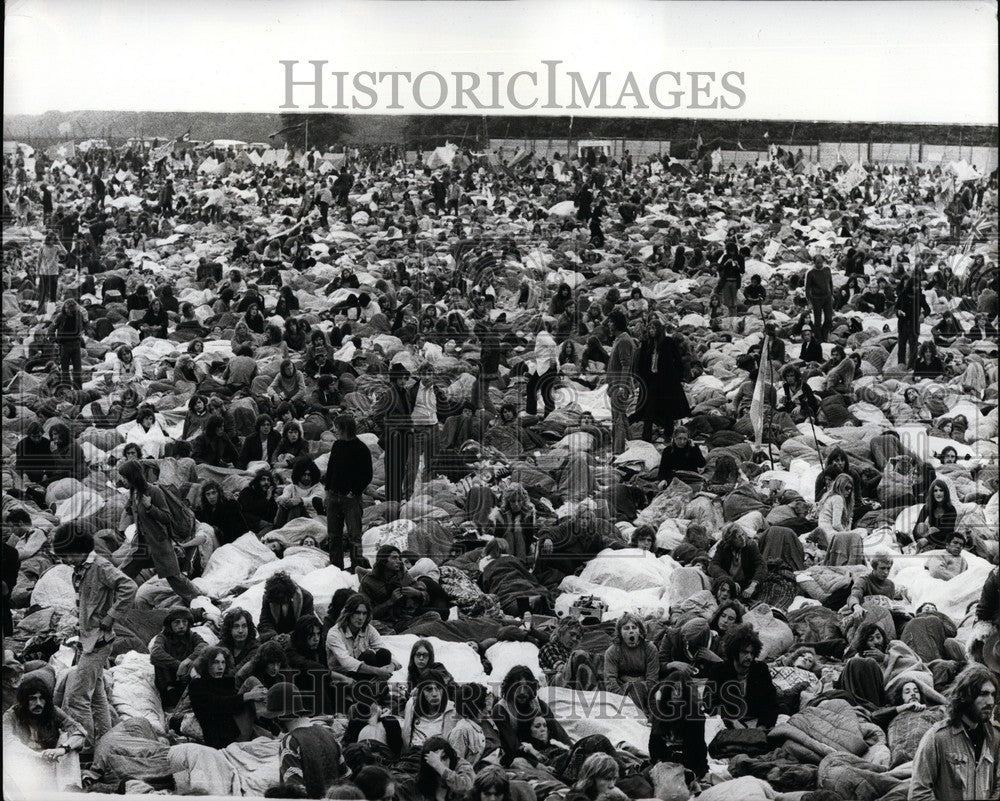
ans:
(172, 653)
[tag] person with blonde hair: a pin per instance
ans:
(844, 544)
(597, 775)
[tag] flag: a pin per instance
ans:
(187, 136)
(699, 143)
(64, 151)
(759, 402)
(739, 145)
(978, 226)
(161, 152)
(767, 134)
(289, 129)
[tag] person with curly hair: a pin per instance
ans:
(218, 706)
(283, 604)
(238, 635)
(741, 690)
(516, 710)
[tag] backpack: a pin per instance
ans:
(182, 519)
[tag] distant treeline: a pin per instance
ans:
(429, 130)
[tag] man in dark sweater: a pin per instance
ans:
(819, 293)
(348, 474)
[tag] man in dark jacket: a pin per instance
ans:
(742, 689)
(283, 604)
(172, 653)
(348, 474)
(680, 454)
(819, 293)
(67, 328)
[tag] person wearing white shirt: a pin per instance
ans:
(355, 651)
(546, 372)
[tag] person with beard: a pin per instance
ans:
(631, 664)
(396, 598)
(957, 757)
(172, 653)
(258, 503)
(34, 721)
(517, 708)
(215, 700)
(741, 690)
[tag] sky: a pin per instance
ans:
(928, 61)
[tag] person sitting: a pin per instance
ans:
(937, 519)
(215, 701)
(172, 653)
(680, 455)
(685, 649)
(741, 689)
(844, 545)
(429, 712)
(303, 496)
(262, 445)
(631, 664)
(738, 557)
(36, 723)
(875, 584)
(258, 502)
(441, 775)
(268, 667)
(928, 363)
(213, 446)
(283, 604)
(395, 597)
(355, 650)
(812, 349)
(291, 447)
(223, 514)
(563, 664)
(517, 708)
(598, 775)
(950, 564)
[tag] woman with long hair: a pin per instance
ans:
(516, 710)
(268, 667)
(937, 519)
(422, 662)
(213, 446)
(844, 544)
(216, 702)
(153, 544)
(598, 774)
(238, 636)
(380, 586)
(355, 651)
(222, 513)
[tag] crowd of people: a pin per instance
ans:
(359, 475)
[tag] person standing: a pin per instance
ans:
(546, 372)
(911, 306)
(67, 329)
(106, 595)
(819, 293)
(348, 474)
(957, 757)
(48, 271)
(731, 269)
(659, 367)
(621, 386)
(397, 432)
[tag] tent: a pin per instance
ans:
(442, 156)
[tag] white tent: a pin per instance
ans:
(442, 156)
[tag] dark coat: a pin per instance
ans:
(273, 622)
(661, 393)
